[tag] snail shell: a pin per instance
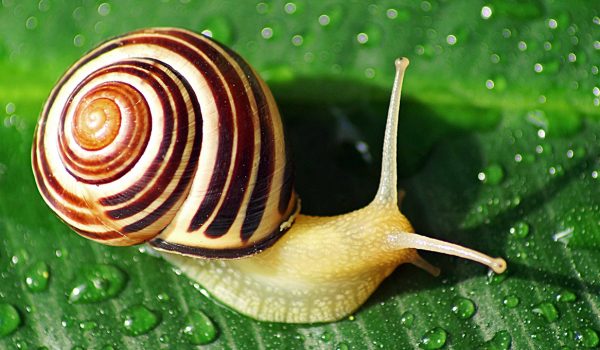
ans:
(166, 136)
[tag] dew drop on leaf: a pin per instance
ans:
(566, 296)
(138, 320)
(520, 229)
(500, 341)
(36, 277)
(495, 278)
(463, 308)
(511, 301)
(220, 29)
(342, 346)
(9, 319)
(433, 339)
(407, 319)
(97, 283)
(587, 337)
(164, 338)
(492, 174)
(326, 336)
(87, 326)
(199, 328)
(548, 310)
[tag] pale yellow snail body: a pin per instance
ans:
(219, 186)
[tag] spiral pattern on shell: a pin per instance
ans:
(166, 136)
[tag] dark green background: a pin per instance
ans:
(333, 92)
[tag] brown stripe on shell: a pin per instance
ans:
(153, 77)
(190, 168)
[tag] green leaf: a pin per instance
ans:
(504, 91)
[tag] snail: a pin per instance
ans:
(166, 137)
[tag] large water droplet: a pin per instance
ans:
(463, 308)
(492, 174)
(500, 341)
(199, 328)
(566, 296)
(139, 320)
(96, 283)
(407, 319)
(587, 337)
(433, 339)
(548, 310)
(9, 319)
(326, 336)
(495, 278)
(520, 229)
(511, 301)
(342, 346)
(36, 277)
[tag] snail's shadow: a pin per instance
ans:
(438, 163)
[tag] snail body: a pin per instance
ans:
(166, 137)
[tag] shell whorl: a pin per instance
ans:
(166, 136)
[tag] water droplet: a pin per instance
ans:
(44, 5)
(500, 341)
(407, 319)
(31, 23)
(520, 229)
(199, 328)
(587, 337)
(104, 9)
(566, 296)
(219, 28)
(36, 277)
(511, 301)
(163, 297)
(78, 40)
(522, 46)
(96, 283)
(342, 346)
(538, 68)
(87, 326)
(10, 319)
(290, 8)
(326, 336)
(426, 6)
(266, 33)
(571, 57)
(262, 8)
(548, 310)
(433, 339)
(494, 278)
(10, 108)
(492, 174)
(139, 320)
(463, 308)
(489, 84)
(486, 12)
(324, 20)
(451, 39)
(362, 38)
(297, 40)
(552, 23)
